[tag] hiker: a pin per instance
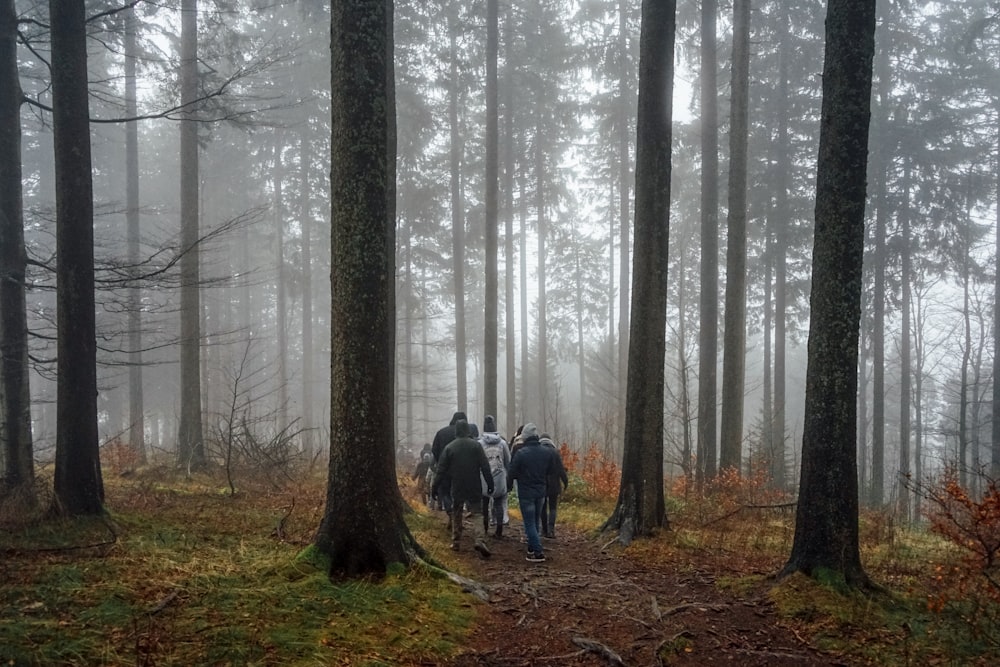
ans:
(556, 482)
(441, 439)
(463, 467)
(498, 454)
(530, 468)
(517, 441)
(423, 473)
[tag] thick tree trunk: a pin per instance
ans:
(362, 530)
(15, 400)
(79, 487)
(640, 509)
(826, 526)
(734, 337)
(624, 181)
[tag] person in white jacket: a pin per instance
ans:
(498, 455)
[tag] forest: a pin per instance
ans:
(739, 259)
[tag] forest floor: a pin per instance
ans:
(590, 603)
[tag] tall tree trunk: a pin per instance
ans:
(782, 219)
(136, 420)
(826, 527)
(904, 352)
(527, 392)
(191, 444)
(995, 425)
(624, 180)
(708, 333)
(640, 509)
(457, 214)
(78, 486)
(963, 396)
(17, 457)
(508, 241)
(490, 355)
(682, 365)
(281, 293)
(362, 530)
(541, 345)
(734, 337)
(767, 434)
(305, 224)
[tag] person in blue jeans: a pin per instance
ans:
(530, 468)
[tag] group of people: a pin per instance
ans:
(470, 472)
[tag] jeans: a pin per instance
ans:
(531, 509)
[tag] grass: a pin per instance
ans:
(181, 573)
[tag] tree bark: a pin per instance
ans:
(640, 509)
(708, 333)
(734, 337)
(362, 530)
(826, 527)
(490, 343)
(15, 399)
(457, 215)
(191, 444)
(136, 419)
(78, 485)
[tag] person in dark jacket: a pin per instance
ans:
(556, 483)
(464, 467)
(423, 473)
(530, 468)
(441, 439)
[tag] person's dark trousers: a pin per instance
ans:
(549, 509)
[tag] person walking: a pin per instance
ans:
(463, 467)
(530, 469)
(498, 455)
(441, 439)
(556, 482)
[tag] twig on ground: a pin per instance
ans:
(162, 604)
(592, 646)
(695, 605)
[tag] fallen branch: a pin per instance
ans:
(701, 606)
(591, 646)
(162, 604)
(467, 585)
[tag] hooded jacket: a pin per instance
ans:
(532, 465)
(464, 463)
(448, 433)
(557, 480)
(498, 455)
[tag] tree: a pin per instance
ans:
(826, 526)
(490, 358)
(78, 485)
(362, 530)
(734, 337)
(640, 509)
(16, 456)
(708, 335)
(190, 441)
(136, 420)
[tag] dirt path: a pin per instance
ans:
(585, 606)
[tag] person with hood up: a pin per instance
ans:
(498, 455)
(441, 439)
(463, 467)
(423, 473)
(556, 483)
(530, 468)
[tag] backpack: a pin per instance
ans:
(494, 456)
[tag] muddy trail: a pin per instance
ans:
(589, 604)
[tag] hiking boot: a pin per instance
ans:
(549, 535)
(535, 557)
(483, 550)
(498, 533)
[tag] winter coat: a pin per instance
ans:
(530, 468)
(557, 480)
(448, 433)
(498, 455)
(464, 463)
